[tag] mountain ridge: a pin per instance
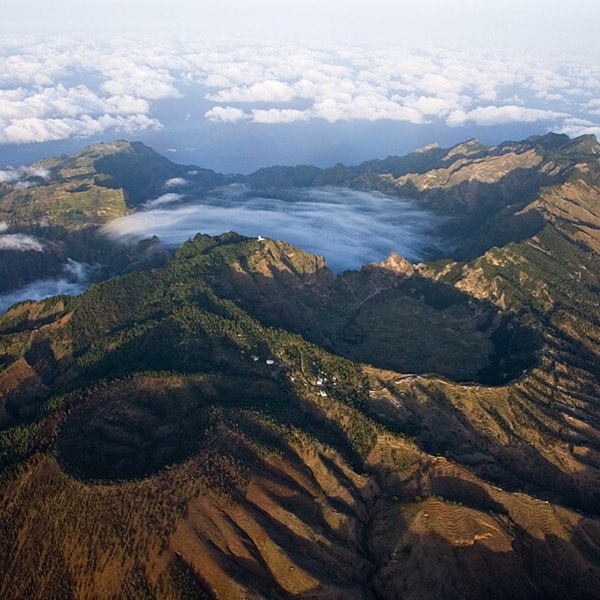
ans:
(63, 202)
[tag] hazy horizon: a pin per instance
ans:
(236, 86)
(512, 24)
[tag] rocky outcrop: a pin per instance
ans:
(394, 264)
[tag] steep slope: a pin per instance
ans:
(552, 280)
(482, 188)
(480, 191)
(279, 485)
(491, 191)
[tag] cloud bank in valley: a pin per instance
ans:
(19, 241)
(74, 281)
(55, 89)
(347, 227)
(17, 175)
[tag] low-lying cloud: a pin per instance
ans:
(16, 175)
(176, 182)
(9, 175)
(347, 227)
(164, 199)
(75, 280)
(19, 241)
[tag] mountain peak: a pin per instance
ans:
(106, 148)
(394, 263)
(584, 144)
(472, 146)
(427, 148)
(549, 141)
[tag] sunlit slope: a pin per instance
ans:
(483, 194)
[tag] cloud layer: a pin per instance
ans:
(53, 89)
(19, 241)
(347, 227)
(74, 281)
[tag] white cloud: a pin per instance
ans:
(21, 131)
(59, 88)
(24, 67)
(127, 78)
(19, 241)
(457, 117)
(430, 105)
(436, 106)
(576, 127)
(175, 182)
(75, 280)
(592, 107)
(36, 172)
(12, 175)
(60, 101)
(549, 97)
(37, 104)
(264, 91)
(164, 199)
(433, 83)
(226, 114)
(277, 115)
(22, 185)
(498, 115)
(126, 105)
(363, 226)
(9, 175)
(369, 108)
(544, 80)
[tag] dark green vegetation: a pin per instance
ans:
(375, 316)
(239, 422)
(130, 428)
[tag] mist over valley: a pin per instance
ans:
(347, 227)
(75, 280)
(299, 300)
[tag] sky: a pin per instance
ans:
(551, 23)
(235, 85)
